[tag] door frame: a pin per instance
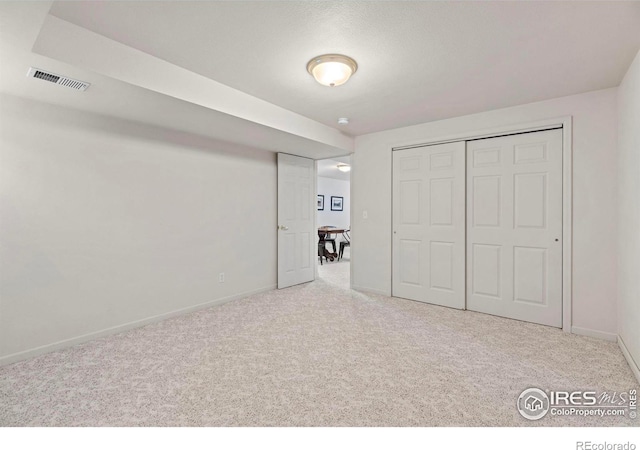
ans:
(352, 157)
(564, 122)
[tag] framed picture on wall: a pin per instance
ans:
(336, 203)
(320, 202)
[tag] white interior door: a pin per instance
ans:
(514, 226)
(429, 224)
(296, 220)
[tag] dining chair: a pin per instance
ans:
(345, 243)
(322, 249)
(328, 238)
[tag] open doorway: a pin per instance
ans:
(333, 220)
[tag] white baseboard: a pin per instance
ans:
(15, 357)
(370, 291)
(632, 363)
(594, 333)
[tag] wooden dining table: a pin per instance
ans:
(331, 230)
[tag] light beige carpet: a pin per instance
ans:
(312, 355)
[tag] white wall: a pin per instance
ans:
(106, 222)
(594, 200)
(629, 210)
(337, 188)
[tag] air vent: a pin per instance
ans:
(58, 79)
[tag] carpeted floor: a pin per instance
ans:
(317, 354)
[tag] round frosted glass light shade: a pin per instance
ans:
(332, 70)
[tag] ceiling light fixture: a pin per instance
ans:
(343, 121)
(332, 70)
(344, 167)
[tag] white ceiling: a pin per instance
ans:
(328, 168)
(232, 69)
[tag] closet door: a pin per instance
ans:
(514, 226)
(429, 225)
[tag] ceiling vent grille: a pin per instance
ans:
(58, 79)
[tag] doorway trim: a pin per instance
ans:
(566, 123)
(351, 158)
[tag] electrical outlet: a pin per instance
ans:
(365, 215)
(221, 277)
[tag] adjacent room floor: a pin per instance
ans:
(337, 273)
(317, 354)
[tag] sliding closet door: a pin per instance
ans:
(514, 226)
(428, 224)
